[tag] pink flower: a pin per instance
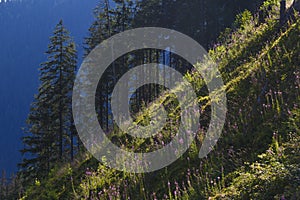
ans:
(88, 172)
(181, 141)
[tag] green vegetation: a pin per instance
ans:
(258, 155)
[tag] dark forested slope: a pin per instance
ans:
(257, 156)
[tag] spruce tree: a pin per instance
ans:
(50, 127)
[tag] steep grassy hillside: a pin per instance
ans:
(257, 156)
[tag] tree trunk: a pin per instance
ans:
(60, 100)
(282, 11)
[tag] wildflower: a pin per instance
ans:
(270, 152)
(181, 141)
(88, 172)
(282, 197)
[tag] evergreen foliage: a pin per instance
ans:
(50, 127)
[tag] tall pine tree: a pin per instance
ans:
(50, 128)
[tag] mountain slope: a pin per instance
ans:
(257, 156)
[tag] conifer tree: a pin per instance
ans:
(108, 21)
(50, 127)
